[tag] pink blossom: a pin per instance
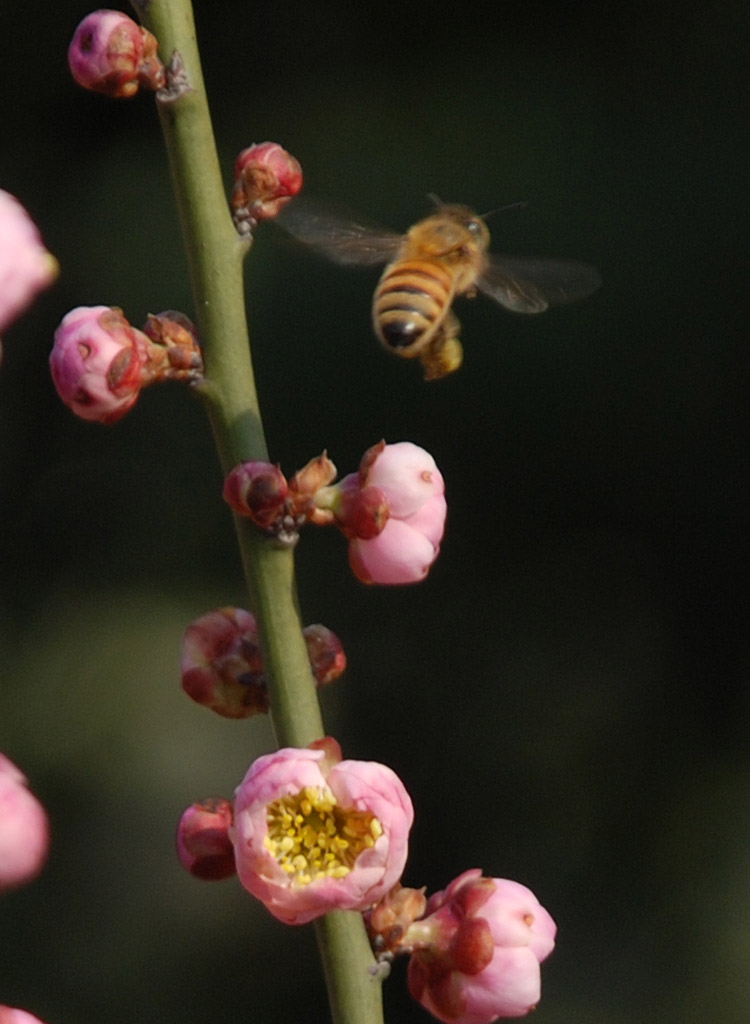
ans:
(266, 178)
(97, 363)
(313, 833)
(478, 950)
(110, 53)
(409, 542)
(24, 830)
(203, 844)
(26, 268)
(9, 1015)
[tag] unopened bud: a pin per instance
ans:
(222, 664)
(326, 653)
(97, 363)
(266, 178)
(203, 844)
(111, 54)
(258, 491)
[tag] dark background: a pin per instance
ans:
(566, 696)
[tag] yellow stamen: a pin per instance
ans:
(311, 837)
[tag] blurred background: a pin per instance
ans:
(566, 696)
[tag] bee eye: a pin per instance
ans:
(474, 226)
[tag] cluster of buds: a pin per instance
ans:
(100, 362)
(266, 177)
(392, 510)
(26, 268)
(222, 662)
(110, 53)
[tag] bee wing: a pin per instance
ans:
(530, 286)
(342, 240)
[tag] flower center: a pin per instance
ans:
(311, 837)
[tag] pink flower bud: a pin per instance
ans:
(314, 834)
(24, 829)
(97, 363)
(266, 178)
(408, 544)
(110, 53)
(222, 664)
(478, 950)
(9, 1015)
(257, 490)
(26, 268)
(203, 844)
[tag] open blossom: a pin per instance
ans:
(112, 54)
(24, 830)
(403, 550)
(478, 950)
(313, 833)
(26, 268)
(10, 1015)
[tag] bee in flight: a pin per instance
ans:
(439, 258)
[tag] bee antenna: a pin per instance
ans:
(502, 209)
(435, 199)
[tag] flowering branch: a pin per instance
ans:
(215, 252)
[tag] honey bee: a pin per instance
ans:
(441, 257)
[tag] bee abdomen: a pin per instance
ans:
(410, 301)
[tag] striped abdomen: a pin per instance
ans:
(411, 301)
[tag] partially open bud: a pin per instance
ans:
(478, 949)
(408, 542)
(26, 268)
(111, 54)
(266, 178)
(203, 844)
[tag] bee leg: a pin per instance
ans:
(444, 353)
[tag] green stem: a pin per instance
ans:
(215, 254)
